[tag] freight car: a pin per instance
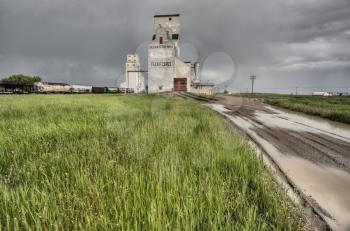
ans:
(80, 89)
(99, 90)
(45, 87)
(112, 89)
(17, 87)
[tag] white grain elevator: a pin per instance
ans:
(166, 71)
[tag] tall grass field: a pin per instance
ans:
(334, 107)
(108, 162)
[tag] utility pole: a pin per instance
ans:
(252, 78)
(127, 81)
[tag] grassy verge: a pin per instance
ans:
(333, 108)
(104, 162)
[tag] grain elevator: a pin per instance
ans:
(166, 71)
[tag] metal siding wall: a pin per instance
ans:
(160, 74)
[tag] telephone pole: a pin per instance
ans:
(252, 78)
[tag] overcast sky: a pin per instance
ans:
(286, 43)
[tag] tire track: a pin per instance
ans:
(316, 147)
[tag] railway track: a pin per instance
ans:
(187, 95)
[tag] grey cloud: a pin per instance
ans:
(85, 41)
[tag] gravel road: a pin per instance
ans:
(314, 153)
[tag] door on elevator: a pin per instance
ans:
(180, 84)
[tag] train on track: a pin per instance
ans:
(62, 88)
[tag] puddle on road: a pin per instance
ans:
(313, 122)
(328, 186)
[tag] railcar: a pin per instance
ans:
(45, 87)
(80, 89)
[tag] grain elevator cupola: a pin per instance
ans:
(167, 29)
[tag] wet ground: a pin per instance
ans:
(314, 153)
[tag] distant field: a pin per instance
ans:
(106, 162)
(333, 108)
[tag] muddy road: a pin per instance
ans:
(314, 153)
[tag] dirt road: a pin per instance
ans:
(314, 153)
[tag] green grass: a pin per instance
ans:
(333, 108)
(106, 162)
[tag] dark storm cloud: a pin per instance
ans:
(286, 43)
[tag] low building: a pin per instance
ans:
(339, 93)
(203, 88)
(321, 93)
